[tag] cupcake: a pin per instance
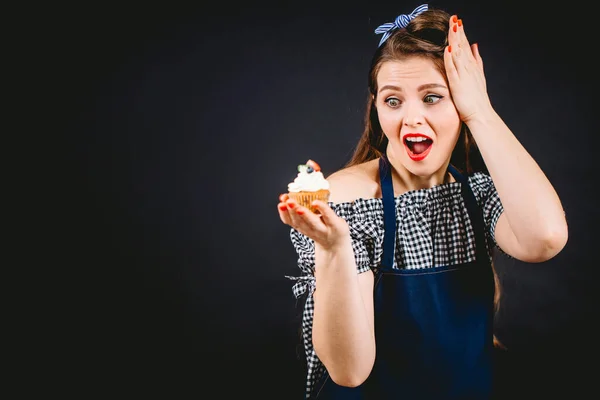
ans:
(309, 185)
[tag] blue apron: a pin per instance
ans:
(433, 326)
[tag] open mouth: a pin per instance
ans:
(417, 146)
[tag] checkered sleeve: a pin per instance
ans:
(485, 192)
(305, 249)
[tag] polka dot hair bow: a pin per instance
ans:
(401, 21)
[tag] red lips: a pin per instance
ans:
(422, 154)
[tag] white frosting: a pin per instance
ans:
(308, 182)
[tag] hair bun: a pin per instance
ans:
(432, 35)
(431, 26)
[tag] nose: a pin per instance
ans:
(413, 115)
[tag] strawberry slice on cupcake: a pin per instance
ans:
(313, 165)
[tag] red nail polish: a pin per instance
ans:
(460, 22)
(291, 205)
(454, 18)
(299, 212)
(449, 48)
(283, 207)
(454, 28)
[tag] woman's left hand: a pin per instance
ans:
(466, 77)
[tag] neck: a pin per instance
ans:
(405, 181)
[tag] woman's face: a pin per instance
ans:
(417, 115)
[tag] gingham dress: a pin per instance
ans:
(433, 229)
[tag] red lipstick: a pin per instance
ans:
(422, 155)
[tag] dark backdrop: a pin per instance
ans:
(188, 122)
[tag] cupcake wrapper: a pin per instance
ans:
(306, 198)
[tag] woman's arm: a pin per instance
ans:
(343, 332)
(533, 226)
(343, 329)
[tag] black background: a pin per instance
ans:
(185, 124)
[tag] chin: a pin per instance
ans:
(421, 170)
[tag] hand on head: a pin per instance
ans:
(327, 228)
(466, 78)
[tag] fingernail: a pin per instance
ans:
(283, 207)
(281, 197)
(454, 18)
(454, 28)
(299, 212)
(460, 22)
(290, 205)
(449, 48)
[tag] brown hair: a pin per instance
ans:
(425, 36)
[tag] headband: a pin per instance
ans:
(401, 21)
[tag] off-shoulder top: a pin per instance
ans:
(433, 229)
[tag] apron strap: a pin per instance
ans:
(475, 213)
(389, 213)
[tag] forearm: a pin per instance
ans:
(532, 206)
(342, 331)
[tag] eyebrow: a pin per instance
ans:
(420, 88)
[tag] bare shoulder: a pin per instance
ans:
(357, 181)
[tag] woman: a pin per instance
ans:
(401, 288)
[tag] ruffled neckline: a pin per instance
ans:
(440, 192)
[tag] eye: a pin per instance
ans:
(392, 102)
(432, 98)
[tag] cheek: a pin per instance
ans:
(448, 126)
(390, 122)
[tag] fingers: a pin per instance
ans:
(462, 37)
(453, 50)
(283, 212)
(282, 207)
(296, 213)
(456, 34)
(453, 37)
(308, 222)
(326, 213)
(450, 66)
(478, 59)
(300, 218)
(458, 43)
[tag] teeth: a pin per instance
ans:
(415, 139)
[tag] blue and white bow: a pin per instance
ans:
(401, 21)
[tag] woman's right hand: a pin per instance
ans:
(327, 229)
